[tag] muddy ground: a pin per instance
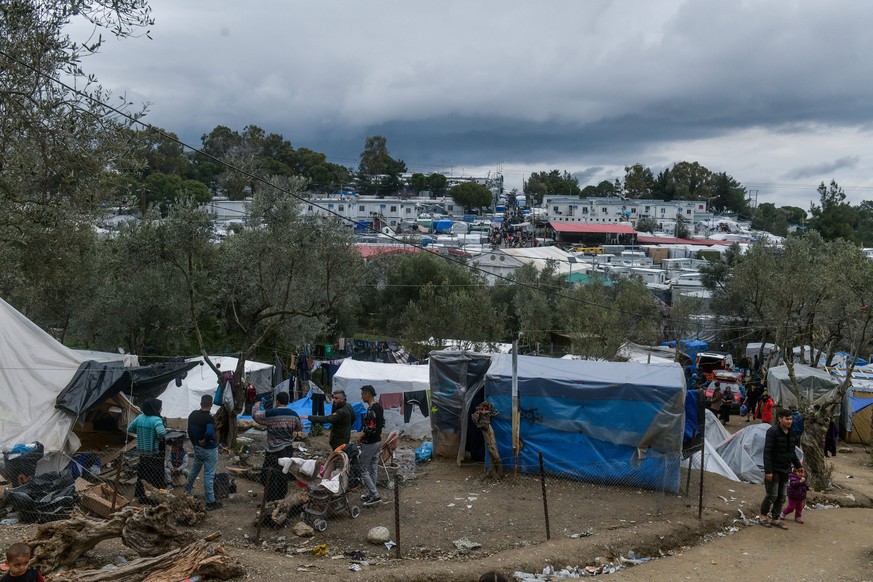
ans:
(444, 503)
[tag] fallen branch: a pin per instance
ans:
(202, 557)
(145, 530)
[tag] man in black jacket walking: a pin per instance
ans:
(779, 456)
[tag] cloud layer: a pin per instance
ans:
(779, 95)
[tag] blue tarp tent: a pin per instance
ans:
(606, 422)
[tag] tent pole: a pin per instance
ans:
(515, 412)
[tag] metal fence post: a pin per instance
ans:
(397, 516)
(545, 499)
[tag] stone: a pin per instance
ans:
(378, 535)
(303, 530)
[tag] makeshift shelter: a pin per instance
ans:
(857, 413)
(743, 451)
(403, 390)
(716, 433)
(812, 383)
(456, 382)
(606, 422)
(182, 396)
(48, 389)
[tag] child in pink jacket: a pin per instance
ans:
(797, 488)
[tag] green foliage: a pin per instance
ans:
(834, 218)
(602, 190)
(773, 220)
(638, 181)
(599, 319)
(378, 172)
(647, 224)
(553, 182)
(471, 195)
(730, 195)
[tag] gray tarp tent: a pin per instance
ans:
(812, 383)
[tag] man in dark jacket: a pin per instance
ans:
(341, 418)
(779, 456)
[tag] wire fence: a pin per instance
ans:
(433, 505)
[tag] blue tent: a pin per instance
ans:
(605, 422)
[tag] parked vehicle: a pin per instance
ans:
(732, 379)
(707, 363)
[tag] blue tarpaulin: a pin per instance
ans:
(606, 422)
(859, 404)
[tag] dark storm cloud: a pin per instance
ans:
(757, 89)
(823, 168)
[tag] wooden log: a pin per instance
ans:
(145, 530)
(482, 419)
(203, 557)
(290, 505)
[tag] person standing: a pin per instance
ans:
(753, 394)
(764, 411)
(779, 456)
(716, 401)
(370, 442)
(150, 430)
(201, 431)
(341, 418)
(726, 403)
(282, 423)
(797, 488)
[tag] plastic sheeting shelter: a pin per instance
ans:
(47, 388)
(401, 389)
(744, 452)
(605, 422)
(811, 382)
(716, 433)
(859, 425)
(180, 401)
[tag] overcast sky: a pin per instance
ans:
(777, 94)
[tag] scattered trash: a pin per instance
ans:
(550, 573)
(9, 521)
(584, 534)
(849, 496)
(450, 505)
(390, 545)
(320, 550)
(357, 555)
(850, 476)
(424, 452)
(632, 559)
(466, 544)
(355, 567)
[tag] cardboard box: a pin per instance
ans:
(97, 498)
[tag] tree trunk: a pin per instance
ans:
(61, 543)
(202, 557)
(812, 442)
(482, 419)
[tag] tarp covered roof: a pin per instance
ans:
(811, 382)
(592, 419)
(588, 228)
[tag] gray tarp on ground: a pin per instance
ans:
(812, 383)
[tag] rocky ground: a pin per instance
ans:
(504, 522)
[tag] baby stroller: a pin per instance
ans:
(329, 493)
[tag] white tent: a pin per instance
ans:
(399, 388)
(744, 452)
(715, 434)
(35, 369)
(179, 401)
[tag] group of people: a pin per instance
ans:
(780, 481)
(283, 425)
(160, 470)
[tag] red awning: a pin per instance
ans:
(588, 228)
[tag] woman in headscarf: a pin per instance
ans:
(150, 430)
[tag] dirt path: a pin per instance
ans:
(833, 544)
